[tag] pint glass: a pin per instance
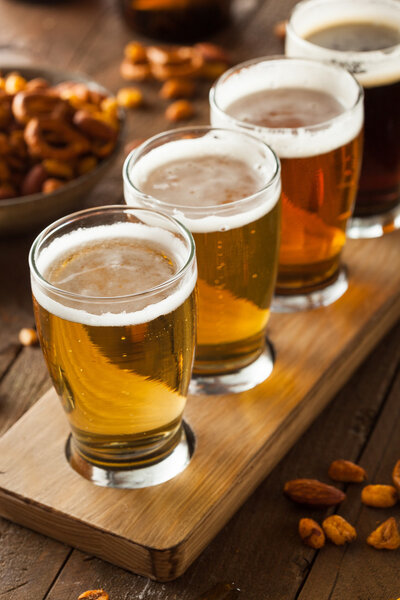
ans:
(364, 37)
(311, 114)
(225, 187)
(113, 293)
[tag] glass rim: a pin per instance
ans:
(204, 208)
(269, 60)
(117, 208)
(362, 55)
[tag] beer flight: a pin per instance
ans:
(237, 219)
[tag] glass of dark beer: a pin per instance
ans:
(225, 187)
(311, 114)
(364, 37)
(113, 293)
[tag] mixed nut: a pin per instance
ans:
(315, 493)
(51, 134)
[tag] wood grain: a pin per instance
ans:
(239, 438)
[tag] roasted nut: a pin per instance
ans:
(109, 106)
(313, 492)
(135, 71)
(58, 168)
(345, 470)
(386, 536)
(93, 126)
(51, 185)
(33, 180)
(135, 52)
(14, 83)
(338, 530)
(129, 97)
(178, 87)
(179, 111)
(213, 53)
(311, 533)
(396, 476)
(174, 61)
(28, 337)
(379, 496)
(280, 29)
(94, 595)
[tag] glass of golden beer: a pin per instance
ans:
(225, 187)
(311, 114)
(364, 37)
(114, 301)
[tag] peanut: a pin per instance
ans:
(311, 533)
(386, 536)
(379, 496)
(28, 337)
(345, 470)
(129, 97)
(338, 530)
(179, 111)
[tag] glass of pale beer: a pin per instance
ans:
(114, 301)
(364, 37)
(225, 187)
(311, 114)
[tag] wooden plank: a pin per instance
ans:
(239, 438)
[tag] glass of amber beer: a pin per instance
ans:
(364, 37)
(311, 114)
(225, 187)
(113, 292)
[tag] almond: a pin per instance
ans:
(386, 536)
(313, 492)
(338, 530)
(345, 470)
(311, 533)
(379, 496)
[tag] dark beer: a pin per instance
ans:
(364, 37)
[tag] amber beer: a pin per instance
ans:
(363, 36)
(311, 115)
(225, 188)
(114, 306)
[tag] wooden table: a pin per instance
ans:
(259, 549)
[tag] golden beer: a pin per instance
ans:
(318, 136)
(115, 313)
(226, 190)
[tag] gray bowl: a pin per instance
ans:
(24, 213)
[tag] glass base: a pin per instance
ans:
(374, 226)
(283, 303)
(140, 477)
(236, 381)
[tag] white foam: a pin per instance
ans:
(374, 68)
(66, 243)
(273, 74)
(202, 219)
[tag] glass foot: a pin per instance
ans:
(374, 226)
(141, 477)
(315, 299)
(236, 381)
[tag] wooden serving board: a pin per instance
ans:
(159, 531)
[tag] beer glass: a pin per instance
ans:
(311, 114)
(113, 293)
(225, 187)
(364, 37)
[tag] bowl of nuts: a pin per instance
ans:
(59, 133)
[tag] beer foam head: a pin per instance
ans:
(371, 68)
(213, 144)
(274, 73)
(67, 305)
